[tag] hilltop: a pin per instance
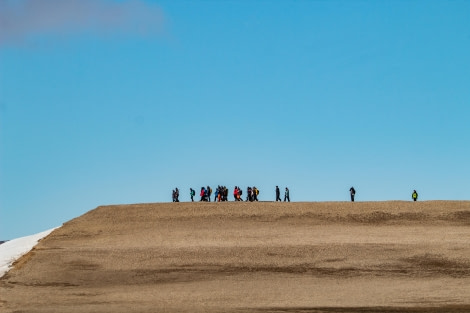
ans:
(390, 256)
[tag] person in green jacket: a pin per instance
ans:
(192, 193)
(414, 195)
(286, 195)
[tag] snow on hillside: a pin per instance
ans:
(12, 250)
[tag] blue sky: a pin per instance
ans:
(110, 102)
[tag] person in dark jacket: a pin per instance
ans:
(255, 193)
(278, 194)
(249, 194)
(177, 195)
(209, 193)
(352, 191)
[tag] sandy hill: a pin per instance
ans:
(250, 257)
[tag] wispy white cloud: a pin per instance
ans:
(22, 19)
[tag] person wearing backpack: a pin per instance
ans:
(203, 194)
(352, 191)
(286, 195)
(177, 195)
(255, 193)
(192, 193)
(414, 195)
(235, 193)
(240, 192)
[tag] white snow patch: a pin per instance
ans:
(12, 250)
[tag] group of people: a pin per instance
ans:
(352, 192)
(286, 194)
(221, 194)
(251, 194)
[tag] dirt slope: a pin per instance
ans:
(250, 257)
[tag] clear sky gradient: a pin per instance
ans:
(113, 102)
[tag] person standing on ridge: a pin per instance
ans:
(177, 195)
(216, 193)
(278, 194)
(286, 195)
(209, 193)
(203, 194)
(219, 194)
(239, 194)
(192, 193)
(225, 193)
(235, 193)
(352, 191)
(414, 195)
(255, 193)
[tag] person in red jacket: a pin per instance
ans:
(235, 193)
(203, 194)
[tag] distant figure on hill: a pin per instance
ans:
(414, 195)
(175, 195)
(249, 194)
(255, 193)
(235, 193)
(192, 193)
(278, 194)
(352, 191)
(239, 194)
(209, 193)
(216, 194)
(225, 193)
(286, 195)
(203, 194)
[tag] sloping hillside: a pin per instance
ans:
(250, 257)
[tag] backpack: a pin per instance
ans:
(193, 193)
(257, 191)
